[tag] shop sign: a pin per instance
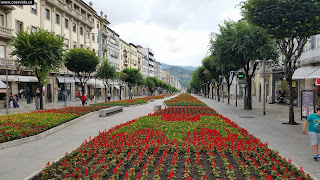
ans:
(307, 103)
(317, 82)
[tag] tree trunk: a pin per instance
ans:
(248, 105)
(105, 93)
(291, 97)
(41, 97)
(228, 92)
(218, 92)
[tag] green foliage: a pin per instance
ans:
(81, 61)
(106, 71)
(40, 51)
(150, 84)
(284, 18)
(199, 76)
(210, 63)
(133, 77)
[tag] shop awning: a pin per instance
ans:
(314, 75)
(303, 72)
(10, 78)
(68, 79)
(98, 82)
(116, 86)
(2, 85)
(27, 78)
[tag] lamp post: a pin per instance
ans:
(264, 82)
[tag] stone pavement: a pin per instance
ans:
(24, 107)
(21, 161)
(288, 140)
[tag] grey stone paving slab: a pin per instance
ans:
(21, 161)
(288, 140)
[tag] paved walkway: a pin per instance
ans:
(288, 140)
(24, 107)
(21, 161)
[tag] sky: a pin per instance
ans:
(176, 30)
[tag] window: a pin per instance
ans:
(74, 44)
(48, 14)
(81, 45)
(2, 51)
(66, 23)
(97, 25)
(74, 27)
(81, 30)
(57, 19)
(87, 34)
(66, 43)
(1, 20)
(93, 37)
(34, 8)
(19, 26)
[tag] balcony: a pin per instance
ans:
(104, 47)
(5, 32)
(67, 9)
(310, 56)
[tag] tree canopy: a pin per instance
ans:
(40, 51)
(133, 77)
(106, 71)
(82, 62)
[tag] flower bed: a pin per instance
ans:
(184, 100)
(17, 126)
(192, 110)
(176, 145)
(128, 102)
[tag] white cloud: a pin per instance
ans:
(177, 30)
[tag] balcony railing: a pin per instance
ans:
(5, 32)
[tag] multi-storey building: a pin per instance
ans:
(140, 58)
(113, 43)
(148, 64)
(156, 74)
(124, 55)
(80, 25)
(159, 70)
(133, 56)
(168, 78)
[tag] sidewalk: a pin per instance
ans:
(23, 160)
(24, 107)
(288, 140)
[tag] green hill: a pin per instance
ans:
(183, 75)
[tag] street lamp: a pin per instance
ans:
(264, 81)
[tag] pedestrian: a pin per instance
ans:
(313, 123)
(11, 101)
(109, 96)
(16, 101)
(83, 99)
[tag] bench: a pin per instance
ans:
(109, 111)
(157, 107)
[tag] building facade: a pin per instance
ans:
(113, 44)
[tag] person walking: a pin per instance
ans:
(11, 101)
(313, 123)
(16, 101)
(83, 99)
(109, 96)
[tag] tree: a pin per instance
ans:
(106, 71)
(133, 77)
(290, 22)
(210, 63)
(121, 76)
(156, 82)
(242, 43)
(82, 62)
(40, 51)
(199, 77)
(150, 84)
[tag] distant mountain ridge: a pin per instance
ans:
(182, 73)
(166, 66)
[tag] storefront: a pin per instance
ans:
(65, 88)
(281, 89)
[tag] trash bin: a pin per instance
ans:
(37, 102)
